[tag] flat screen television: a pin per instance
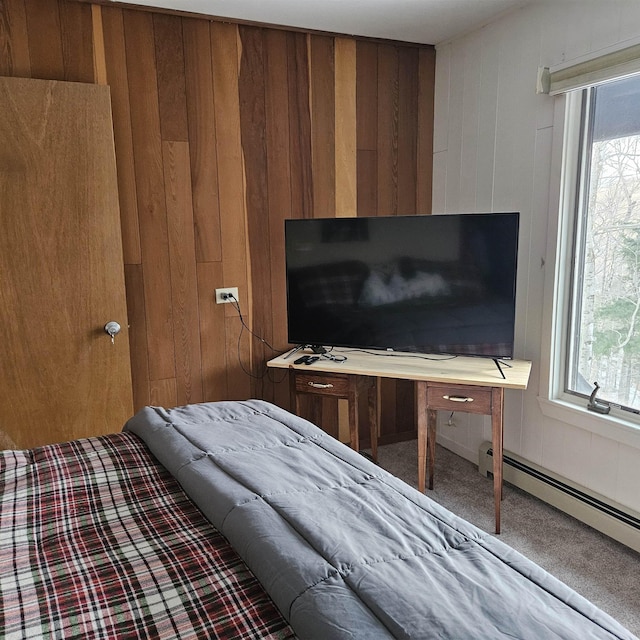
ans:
(431, 284)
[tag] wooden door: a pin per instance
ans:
(61, 266)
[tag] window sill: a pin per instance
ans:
(612, 425)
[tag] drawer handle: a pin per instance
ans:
(319, 385)
(458, 398)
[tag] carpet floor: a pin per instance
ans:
(602, 570)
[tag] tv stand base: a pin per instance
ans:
(498, 363)
(315, 348)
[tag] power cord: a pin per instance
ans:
(243, 325)
(333, 357)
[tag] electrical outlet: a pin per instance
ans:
(228, 294)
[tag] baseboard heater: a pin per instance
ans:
(616, 521)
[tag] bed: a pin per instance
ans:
(241, 520)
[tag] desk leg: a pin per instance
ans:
(372, 405)
(294, 400)
(421, 408)
(497, 409)
(432, 418)
(315, 403)
(354, 434)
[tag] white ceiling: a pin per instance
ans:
(421, 21)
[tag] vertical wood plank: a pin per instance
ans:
(147, 151)
(426, 92)
(407, 129)
(45, 40)
(346, 128)
(184, 288)
(405, 406)
(14, 40)
(224, 49)
(134, 283)
(299, 126)
(162, 393)
(171, 81)
(76, 27)
(387, 129)
(99, 59)
(367, 191)
(367, 127)
(279, 188)
(253, 130)
(233, 220)
(118, 79)
(278, 170)
(202, 138)
(367, 95)
(387, 403)
(238, 358)
(323, 133)
(212, 333)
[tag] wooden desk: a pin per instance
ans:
(307, 380)
(471, 385)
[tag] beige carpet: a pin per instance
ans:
(597, 567)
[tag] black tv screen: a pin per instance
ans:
(441, 284)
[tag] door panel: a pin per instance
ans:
(61, 266)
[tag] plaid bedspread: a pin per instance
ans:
(98, 541)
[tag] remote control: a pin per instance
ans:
(311, 359)
(301, 360)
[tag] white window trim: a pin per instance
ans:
(553, 401)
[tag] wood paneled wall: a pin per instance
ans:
(222, 131)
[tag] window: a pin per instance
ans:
(603, 341)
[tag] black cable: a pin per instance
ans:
(334, 358)
(243, 325)
(236, 304)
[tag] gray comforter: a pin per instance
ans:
(345, 549)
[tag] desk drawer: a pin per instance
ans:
(330, 384)
(458, 397)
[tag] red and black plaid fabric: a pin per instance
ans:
(98, 541)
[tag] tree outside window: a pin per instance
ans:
(604, 344)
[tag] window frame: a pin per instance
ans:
(566, 190)
(580, 166)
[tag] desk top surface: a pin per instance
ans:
(415, 366)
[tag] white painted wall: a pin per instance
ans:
(493, 149)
